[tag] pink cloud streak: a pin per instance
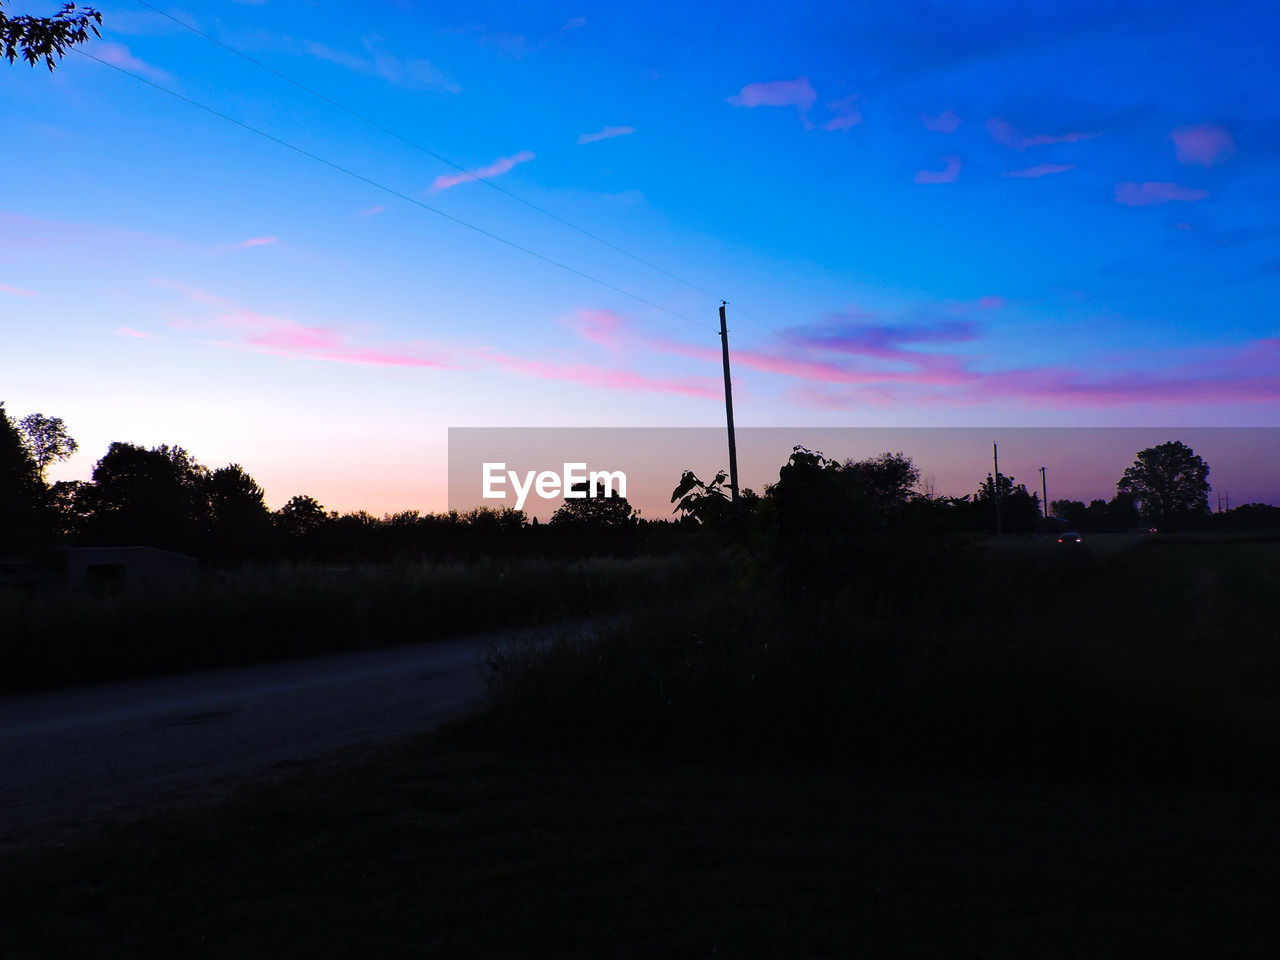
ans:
(1152, 194)
(776, 93)
(607, 133)
(16, 291)
(947, 175)
(1004, 134)
(945, 122)
(1205, 144)
(495, 169)
(1039, 170)
(701, 387)
(255, 242)
(130, 332)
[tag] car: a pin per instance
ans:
(1070, 537)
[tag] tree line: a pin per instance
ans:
(163, 497)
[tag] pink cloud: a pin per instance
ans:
(776, 93)
(602, 327)
(606, 134)
(260, 333)
(371, 211)
(495, 169)
(846, 114)
(1004, 134)
(1039, 170)
(130, 332)
(17, 291)
(945, 122)
(947, 175)
(191, 293)
(629, 380)
(1182, 225)
(1204, 144)
(254, 242)
(118, 55)
(1153, 194)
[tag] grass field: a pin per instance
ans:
(769, 783)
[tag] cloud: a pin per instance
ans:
(1153, 194)
(497, 168)
(606, 134)
(611, 379)
(603, 327)
(1204, 144)
(412, 72)
(945, 122)
(243, 329)
(118, 55)
(371, 211)
(947, 175)
(254, 242)
(573, 23)
(1039, 170)
(846, 115)
(776, 93)
(130, 332)
(1004, 134)
(16, 291)
(191, 293)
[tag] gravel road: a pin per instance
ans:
(71, 759)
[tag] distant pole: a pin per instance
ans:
(995, 455)
(728, 407)
(1044, 495)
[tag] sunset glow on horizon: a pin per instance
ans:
(979, 215)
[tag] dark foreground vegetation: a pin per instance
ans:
(452, 848)
(838, 716)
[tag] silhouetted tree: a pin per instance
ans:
(1019, 509)
(301, 516)
(157, 497)
(239, 519)
(1170, 483)
(44, 38)
(603, 511)
(47, 439)
(22, 494)
(887, 481)
(1122, 512)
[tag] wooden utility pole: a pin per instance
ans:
(728, 407)
(995, 455)
(1044, 495)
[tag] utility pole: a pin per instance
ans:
(728, 407)
(1044, 495)
(995, 455)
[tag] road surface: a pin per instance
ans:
(72, 759)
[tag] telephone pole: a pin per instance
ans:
(995, 455)
(1044, 496)
(728, 407)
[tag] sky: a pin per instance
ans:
(920, 214)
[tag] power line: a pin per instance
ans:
(429, 152)
(394, 192)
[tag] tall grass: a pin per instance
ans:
(1159, 662)
(286, 611)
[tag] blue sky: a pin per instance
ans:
(921, 214)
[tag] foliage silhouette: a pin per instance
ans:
(44, 38)
(47, 439)
(22, 494)
(1169, 482)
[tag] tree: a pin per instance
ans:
(156, 497)
(300, 516)
(1169, 483)
(44, 38)
(1019, 510)
(602, 510)
(239, 519)
(22, 493)
(47, 439)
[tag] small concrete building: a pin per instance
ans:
(100, 565)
